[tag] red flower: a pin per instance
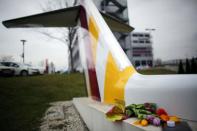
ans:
(161, 111)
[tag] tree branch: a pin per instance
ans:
(49, 35)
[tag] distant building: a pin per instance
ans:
(142, 54)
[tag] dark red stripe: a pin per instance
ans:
(89, 58)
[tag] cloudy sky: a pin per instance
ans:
(174, 21)
(38, 47)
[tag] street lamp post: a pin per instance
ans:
(23, 54)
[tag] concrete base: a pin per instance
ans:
(93, 114)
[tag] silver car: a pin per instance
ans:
(21, 69)
(6, 71)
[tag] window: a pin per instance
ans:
(147, 41)
(137, 63)
(139, 48)
(135, 35)
(143, 62)
(141, 41)
(147, 35)
(136, 54)
(14, 65)
(135, 41)
(5, 63)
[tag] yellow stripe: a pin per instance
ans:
(94, 34)
(115, 80)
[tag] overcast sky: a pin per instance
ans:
(38, 47)
(174, 20)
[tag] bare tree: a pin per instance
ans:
(52, 68)
(6, 58)
(64, 35)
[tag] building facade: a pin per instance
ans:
(142, 51)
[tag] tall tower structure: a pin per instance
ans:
(117, 9)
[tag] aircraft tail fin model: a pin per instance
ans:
(109, 73)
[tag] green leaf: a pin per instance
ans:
(115, 117)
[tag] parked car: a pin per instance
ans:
(40, 69)
(6, 71)
(21, 69)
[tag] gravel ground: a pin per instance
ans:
(62, 116)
